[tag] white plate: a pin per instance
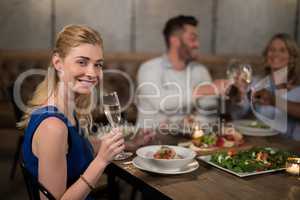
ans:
(244, 174)
(245, 129)
(140, 164)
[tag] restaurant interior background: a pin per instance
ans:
(226, 26)
(131, 31)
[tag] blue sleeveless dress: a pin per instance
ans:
(80, 151)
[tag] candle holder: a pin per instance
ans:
(293, 166)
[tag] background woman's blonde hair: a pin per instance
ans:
(293, 51)
(71, 36)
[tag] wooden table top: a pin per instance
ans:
(208, 182)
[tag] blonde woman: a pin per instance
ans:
(55, 150)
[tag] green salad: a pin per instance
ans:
(252, 160)
(257, 124)
(209, 139)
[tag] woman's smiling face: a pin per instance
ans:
(81, 69)
(278, 55)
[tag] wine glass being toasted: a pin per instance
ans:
(239, 75)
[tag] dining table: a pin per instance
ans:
(207, 181)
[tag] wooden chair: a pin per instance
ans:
(34, 187)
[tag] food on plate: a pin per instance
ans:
(253, 160)
(166, 152)
(230, 138)
(257, 124)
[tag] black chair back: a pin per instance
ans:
(18, 114)
(34, 186)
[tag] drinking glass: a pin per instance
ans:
(241, 71)
(239, 74)
(246, 72)
(112, 111)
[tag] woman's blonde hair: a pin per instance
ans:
(293, 51)
(71, 36)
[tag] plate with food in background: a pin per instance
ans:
(206, 143)
(254, 128)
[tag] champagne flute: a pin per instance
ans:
(112, 110)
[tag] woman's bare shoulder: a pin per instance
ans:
(52, 127)
(52, 132)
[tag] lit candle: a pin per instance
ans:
(293, 169)
(293, 166)
(198, 132)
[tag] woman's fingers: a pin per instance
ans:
(263, 97)
(115, 133)
(111, 145)
(111, 138)
(119, 149)
(117, 137)
(117, 144)
(116, 148)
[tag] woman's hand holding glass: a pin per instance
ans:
(263, 97)
(111, 145)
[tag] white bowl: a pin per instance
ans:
(146, 153)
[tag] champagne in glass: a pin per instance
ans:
(113, 114)
(246, 72)
(112, 110)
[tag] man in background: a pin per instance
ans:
(166, 83)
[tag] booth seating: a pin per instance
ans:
(120, 74)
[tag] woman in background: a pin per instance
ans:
(283, 114)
